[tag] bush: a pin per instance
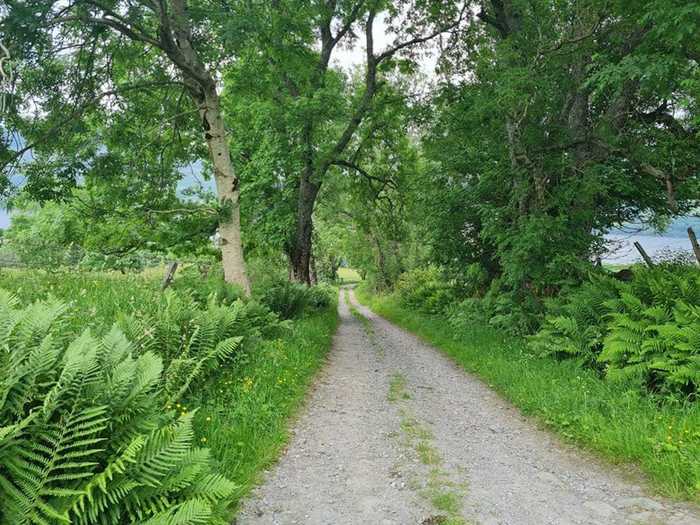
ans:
(647, 329)
(654, 331)
(468, 312)
(474, 281)
(88, 431)
(426, 290)
(320, 296)
(514, 312)
(285, 298)
(134, 261)
(289, 300)
(576, 326)
(180, 329)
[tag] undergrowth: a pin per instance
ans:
(123, 404)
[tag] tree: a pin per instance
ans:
(365, 218)
(323, 113)
(569, 123)
(86, 44)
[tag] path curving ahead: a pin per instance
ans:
(394, 433)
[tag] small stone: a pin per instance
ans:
(642, 503)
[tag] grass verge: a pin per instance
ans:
(243, 416)
(620, 424)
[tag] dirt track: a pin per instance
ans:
(395, 433)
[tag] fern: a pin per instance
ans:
(83, 435)
(576, 327)
(647, 330)
(655, 333)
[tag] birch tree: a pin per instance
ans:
(93, 52)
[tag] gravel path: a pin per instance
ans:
(396, 434)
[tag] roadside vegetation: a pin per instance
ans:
(122, 402)
(239, 141)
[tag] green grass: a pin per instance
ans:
(243, 411)
(96, 298)
(243, 417)
(348, 276)
(397, 388)
(620, 424)
(446, 501)
(427, 453)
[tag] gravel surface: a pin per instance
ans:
(395, 433)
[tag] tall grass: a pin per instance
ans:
(243, 416)
(96, 298)
(617, 422)
(243, 409)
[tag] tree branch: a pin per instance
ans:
(422, 39)
(79, 110)
(363, 172)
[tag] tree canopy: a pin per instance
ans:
(542, 127)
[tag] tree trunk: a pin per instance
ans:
(313, 272)
(227, 189)
(301, 251)
(381, 263)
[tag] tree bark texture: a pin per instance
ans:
(301, 251)
(227, 189)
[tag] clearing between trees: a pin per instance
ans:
(396, 433)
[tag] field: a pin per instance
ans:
(348, 276)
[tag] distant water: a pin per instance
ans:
(675, 238)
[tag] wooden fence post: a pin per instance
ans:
(694, 243)
(169, 275)
(644, 255)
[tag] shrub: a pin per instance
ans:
(426, 290)
(87, 435)
(654, 331)
(647, 329)
(180, 329)
(466, 313)
(288, 299)
(514, 312)
(320, 296)
(474, 281)
(576, 326)
(134, 261)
